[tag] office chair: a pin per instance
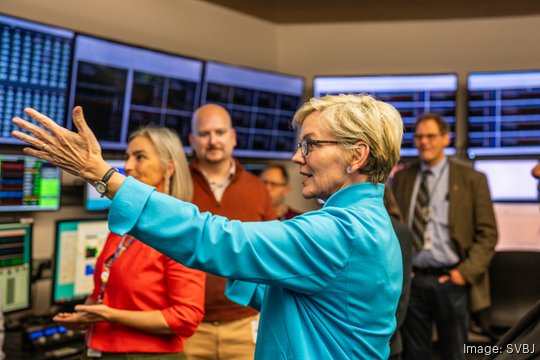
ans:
(515, 286)
(522, 340)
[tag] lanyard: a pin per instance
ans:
(122, 246)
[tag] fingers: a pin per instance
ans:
(47, 123)
(39, 154)
(88, 309)
(80, 123)
(444, 278)
(40, 135)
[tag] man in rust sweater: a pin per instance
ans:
(223, 187)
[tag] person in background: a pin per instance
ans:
(333, 276)
(536, 173)
(449, 211)
(223, 187)
(405, 242)
(276, 179)
(143, 302)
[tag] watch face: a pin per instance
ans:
(101, 188)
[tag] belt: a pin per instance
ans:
(437, 271)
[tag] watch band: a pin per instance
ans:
(108, 175)
(101, 185)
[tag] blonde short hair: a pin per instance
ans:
(360, 118)
(169, 147)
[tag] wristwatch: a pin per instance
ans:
(101, 185)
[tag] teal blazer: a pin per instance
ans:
(333, 276)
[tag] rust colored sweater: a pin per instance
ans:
(245, 199)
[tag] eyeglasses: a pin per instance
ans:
(307, 144)
(273, 183)
(429, 137)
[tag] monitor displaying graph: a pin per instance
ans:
(411, 95)
(78, 244)
(504, 113)
(35, 61)
(123, 87)
(15, 266)
(262, 105)
(28, 184)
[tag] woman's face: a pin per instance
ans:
(143, 163)
(323, 169)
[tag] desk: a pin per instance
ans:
(14, 351)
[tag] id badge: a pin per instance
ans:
(428, 242)
(105, 276)
(254, 330)
(93, 353)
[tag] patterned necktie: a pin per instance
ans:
(421, 213)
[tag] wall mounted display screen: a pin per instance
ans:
(15, 266)
(34, 70)
(504, 113)
(93, 200)
(77, 246)
(411, 95)
(122, 87)
(28, 184)
(510, 180)
(261, 104)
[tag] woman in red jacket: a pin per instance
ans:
(143, 302)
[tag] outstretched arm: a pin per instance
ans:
(78, 152)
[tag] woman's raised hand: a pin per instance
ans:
(78, 153)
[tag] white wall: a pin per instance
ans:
(188, 27)
(410, 46)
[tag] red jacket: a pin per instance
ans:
(143, 279)
(245, 199)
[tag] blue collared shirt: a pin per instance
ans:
(442, 250)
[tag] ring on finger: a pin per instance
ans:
(44, 146)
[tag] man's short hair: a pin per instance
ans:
(443, 126)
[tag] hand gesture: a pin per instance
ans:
(77, 320)
(78, 153)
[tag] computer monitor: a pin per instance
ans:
(123, 87)
(510, 180)
(93, 201)
(77, 246)
(504, 113)
(35, 62)
(261, 104)
(28, 184)
(15, 266)
(411, 95)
